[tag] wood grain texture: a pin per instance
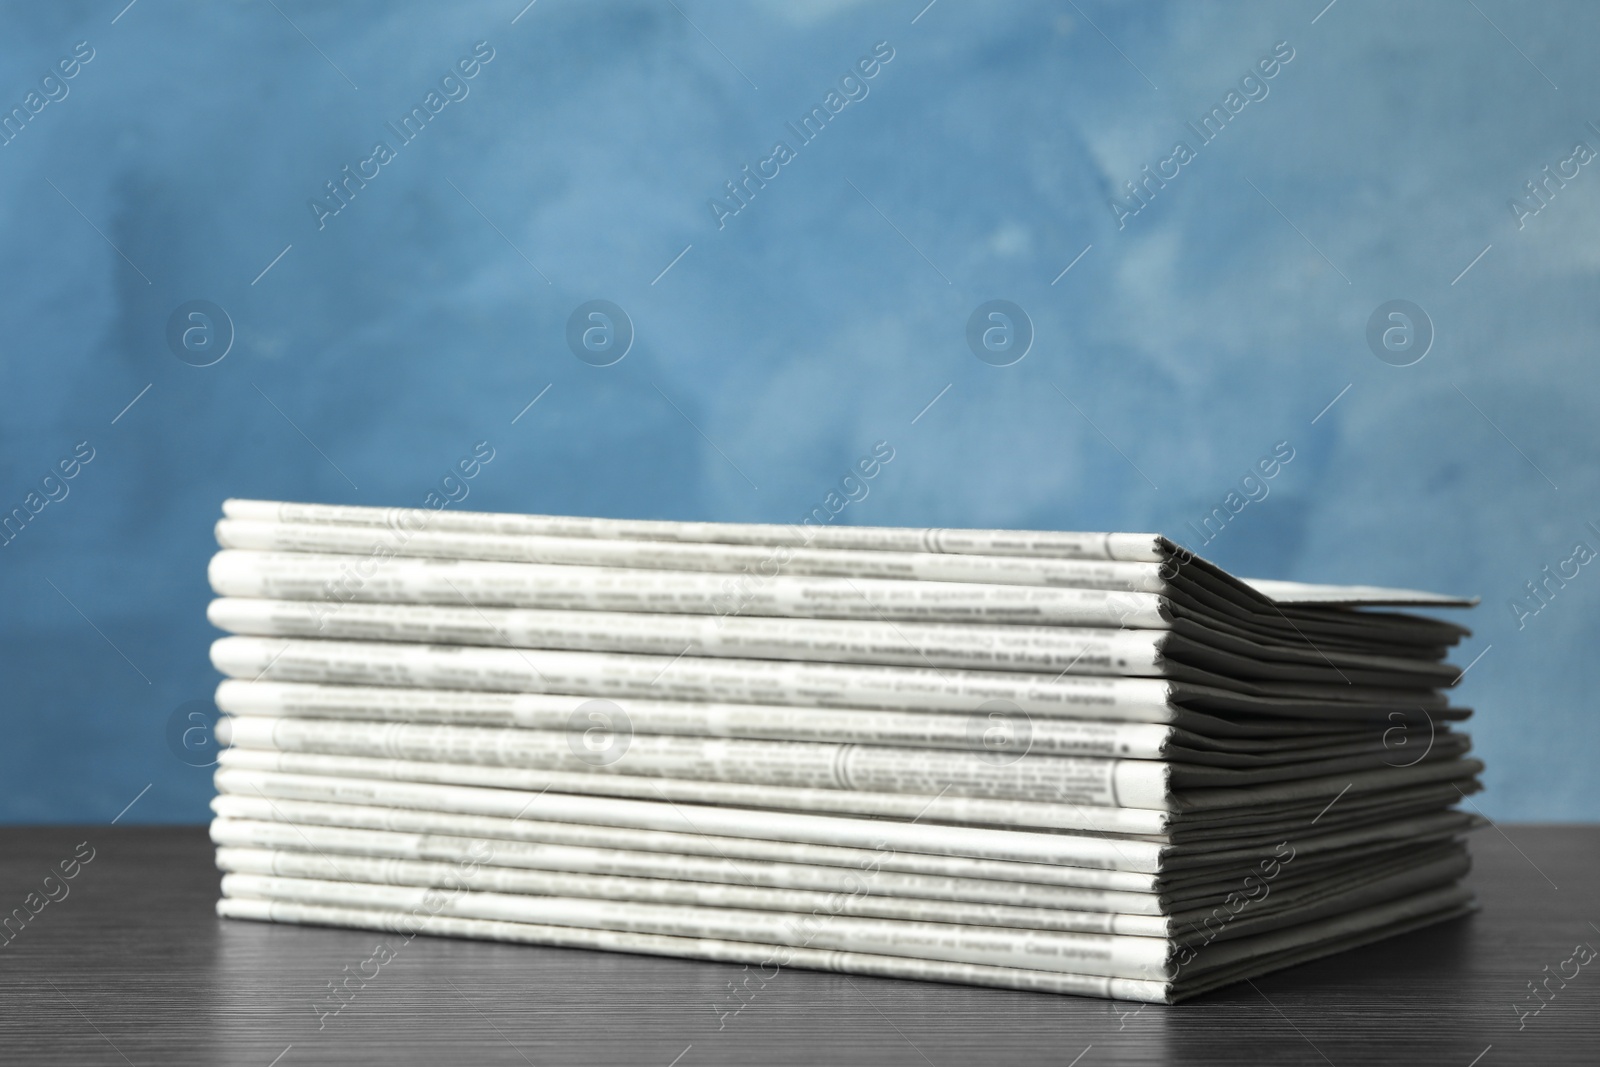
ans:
(133, 967)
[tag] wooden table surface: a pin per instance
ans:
(132, 966)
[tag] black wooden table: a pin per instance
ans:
(130, 965)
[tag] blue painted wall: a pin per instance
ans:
(1200, 324)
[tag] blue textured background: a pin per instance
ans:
(822, 318)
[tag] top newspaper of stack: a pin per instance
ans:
(1182, 617)
(850, 550)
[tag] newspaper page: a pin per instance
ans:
(261, 821)
(863, 874)
(358, 856)
(338, 580)
(1049, 650)
(688, 677)
(662, 888)
(599, 749)
(1109, 955)
(995, 648)
(1147, 823)
(1067, 849)
(991, 730)
(1050, 544)
(268, 799)
(681, 556)
(785, 764)
(1233, 827)
(405, 579)
(704, 678)
(1205, 593)
(994, 730)
(765, 957)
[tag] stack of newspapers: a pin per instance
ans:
(1063, 762)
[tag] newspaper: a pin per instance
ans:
(1068, 849)
(765, 957)
(932, 809)
(1326, 938)
(1082, 780)
(988, 731)
(1051, 544)
(1263, 822)
(1311, 941)
(1050, 650)
(419, 580)
(1361, 879)
(1202, 593)
(704, 678)
(1006, 648)
(337, 580)
(1206, 814)
(661, 887)
(1045, 544)
(1106, 955)
(1109, 955)
(855, 874)
(784, 764)
(538, 844)
(1308, 883)
(1074, 849)
(1198, 827)
(683, 556)
(273, 798)
(325, 858)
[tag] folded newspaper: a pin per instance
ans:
(1063, 762)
